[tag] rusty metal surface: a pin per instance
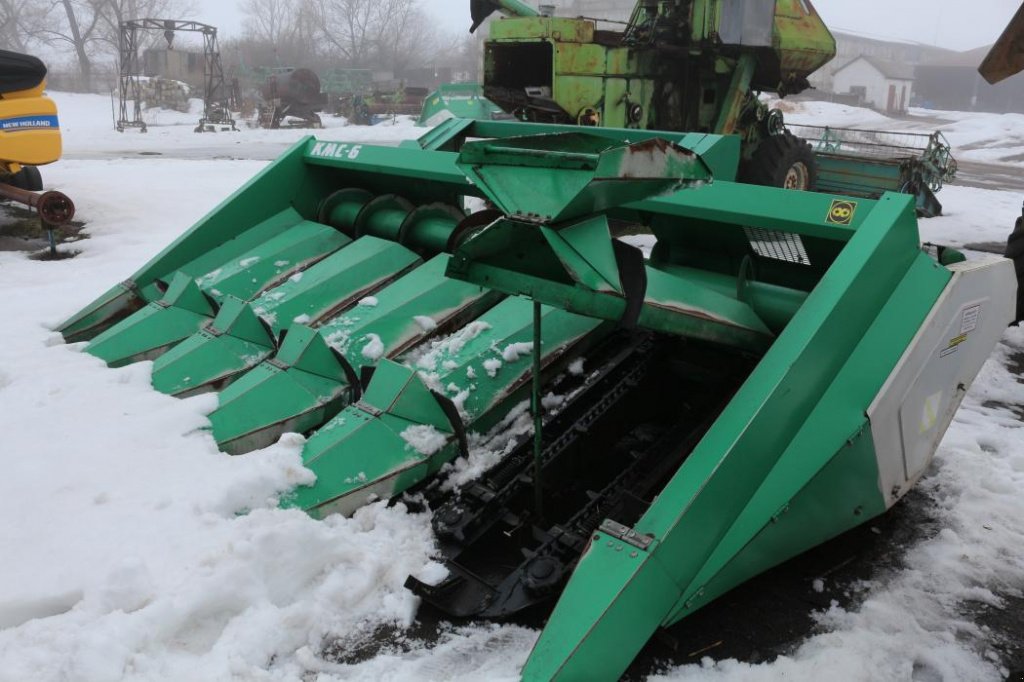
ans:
(1007, 56)
(54, 208)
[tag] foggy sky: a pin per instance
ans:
(938, 22)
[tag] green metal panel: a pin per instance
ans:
(243, 335)
(720, 153)
(457, 100)
(306, 384)
(537, 28)
(150, 332)
(580, 174)
(857, 177)
(696, 510)
(478, 369)
(522, 259)
(825, 437)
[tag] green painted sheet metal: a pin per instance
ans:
(851, 176)
(823, 438)
(159, 326)
(538, 262)
(306, 383)
(458, 101)
(702, 502)
(243, 335)
(580, 174)
(275, 191)
(721, 153)
(369, 450)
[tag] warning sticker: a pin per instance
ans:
(954, 345)
(969, 322)
(841, 212)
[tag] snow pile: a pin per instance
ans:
(513, 351)
(486, 450)
(433, 356)
(125, 556)
(971, 216)
(491, 366)
(424, 439)
(425, 322)
(374, 348)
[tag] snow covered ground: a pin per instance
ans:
(124, 553)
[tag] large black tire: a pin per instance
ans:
(1015, 252)
(782, 161)
(28, 178)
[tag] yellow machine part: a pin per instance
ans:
(29, 129)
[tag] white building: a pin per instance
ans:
(886, 86)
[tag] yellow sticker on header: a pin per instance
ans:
(841, 212)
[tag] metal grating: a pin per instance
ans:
(783, 246)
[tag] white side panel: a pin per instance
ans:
(917, 403)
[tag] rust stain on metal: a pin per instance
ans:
(54, 208)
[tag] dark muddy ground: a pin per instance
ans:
(766, 617)
(21, 230)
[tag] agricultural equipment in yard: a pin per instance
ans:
(780, 370)
(383, 103)
(695, 65)
(29, 137)
(29, 129)
(859, 163)
(291, 95)
(217, 94)
(458, 100)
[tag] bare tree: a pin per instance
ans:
(112, 13)
(351, 28)
(87, 29)
(270, 20)
(68, 25)
(12, 16)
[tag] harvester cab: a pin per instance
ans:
(29, 130)
(779, 369)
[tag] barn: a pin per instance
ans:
(886, 86)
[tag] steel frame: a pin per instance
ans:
(216, 96)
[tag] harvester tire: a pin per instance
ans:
(28, 178)
(782, 161)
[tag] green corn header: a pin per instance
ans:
(780, 369)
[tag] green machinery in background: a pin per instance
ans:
(700, 65)
(458, 100)
(780, 369)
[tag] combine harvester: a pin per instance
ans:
(701, 65)
(779, 370)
